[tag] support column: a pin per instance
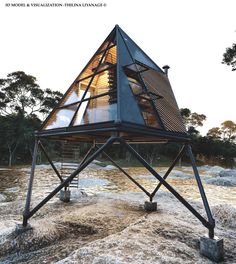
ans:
(178, 157)
(210, 246)
(125, 173)
(202, 193)
(28, 214)
(205, 222)
(30, 185)
(50, 161)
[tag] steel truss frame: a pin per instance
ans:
(94, 151)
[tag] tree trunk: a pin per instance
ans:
(152, 155)
(11, 153)
(10, 160)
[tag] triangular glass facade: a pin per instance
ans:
(93, 96)
(119, 84)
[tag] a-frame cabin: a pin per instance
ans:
(121, 96)
(120, 90)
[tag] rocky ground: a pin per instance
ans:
(108, 227)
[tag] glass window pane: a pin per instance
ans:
(104, 46)
(101, 109)
(81, 111)
(61, 117)
(137, 53)
(106, 82)
(108, 60)
(137, 67)
(143, 99)
(149, 115)
(76, 93)
(110, 41)
(135, 86)
(111, 55)
(89, 70)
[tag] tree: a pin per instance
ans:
(192, 120)
(214, 133)
(22, 104)
(196, 119)
(9, 140)
(20, 94)
(229, 57)
(16, 137)
(185, 113)
(229, 130)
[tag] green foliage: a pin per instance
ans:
(218, 151)
(17, 137)
(192, 120)
(214, 133)
(22, 104)
(228, 129)
(20, 94)
(229, 57)
(218, 145)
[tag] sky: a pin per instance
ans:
(55, 43)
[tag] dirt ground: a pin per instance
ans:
(110, 228)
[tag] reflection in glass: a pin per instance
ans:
(138, 54)
(81, 110)
(76, 93)
(61, 117)
(100, 101)
(143, 98)
(101, 109)
(137, 67)
(148, 112)
(108, 59)
(135, 86)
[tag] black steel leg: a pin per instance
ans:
(168, 186)
(210, 224)
(126, 174)
(178, 157)
(69, 179)
(87, 155)
(202, 192)
(50, 161)
(30, 184)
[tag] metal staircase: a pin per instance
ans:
(70, 162)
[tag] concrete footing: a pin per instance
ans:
(22, 229)
(150, 206)
(212, 248)
(65, 196)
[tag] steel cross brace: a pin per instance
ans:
(122, 170)
(178, 157)
(210, 223)
(85, 162)
(50, 161)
